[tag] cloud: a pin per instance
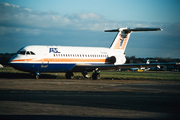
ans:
(15, 16)
(84, 16)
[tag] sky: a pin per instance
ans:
(82, 23)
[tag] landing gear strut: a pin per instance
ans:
(36, 75)
(69, 75)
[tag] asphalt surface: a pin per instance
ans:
(89, 99)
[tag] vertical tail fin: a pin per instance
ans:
(121, 39)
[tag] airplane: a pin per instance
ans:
(38, 59)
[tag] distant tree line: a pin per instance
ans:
(5, 57)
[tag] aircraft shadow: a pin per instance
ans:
(25, 76)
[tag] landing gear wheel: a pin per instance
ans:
(37, 74)
(85, 74)
(96, 76)
(69, 75)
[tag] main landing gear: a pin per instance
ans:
(69, 75)
(85, 74)
(95, 75)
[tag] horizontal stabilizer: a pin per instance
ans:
(128, 30)
(115, 30)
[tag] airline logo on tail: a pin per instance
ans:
(121, 42)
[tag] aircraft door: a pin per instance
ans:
(45, 59)
(45, 62)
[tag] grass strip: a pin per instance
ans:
(9, 72)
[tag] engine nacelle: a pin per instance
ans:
(112, 59)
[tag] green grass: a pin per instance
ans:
(149, 75)
(10, 72)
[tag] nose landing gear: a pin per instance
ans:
(37, 75)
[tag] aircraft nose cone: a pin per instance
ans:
(10, 61)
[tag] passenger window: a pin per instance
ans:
(22, 52)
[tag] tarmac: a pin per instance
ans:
(52, 99)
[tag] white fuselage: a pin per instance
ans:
(62, 59)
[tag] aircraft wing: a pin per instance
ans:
(90, 67)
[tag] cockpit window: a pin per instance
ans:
(26, 53)
(32, 53)
(22, 52)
